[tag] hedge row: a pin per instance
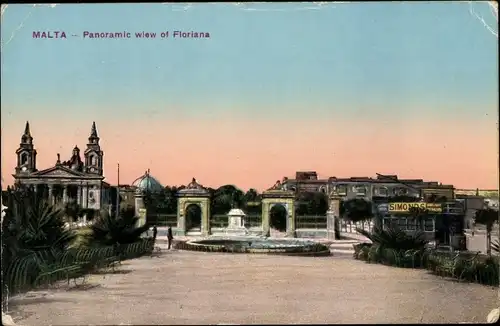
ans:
(463, 267)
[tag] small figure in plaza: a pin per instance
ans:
(155, 232)
(170, 236)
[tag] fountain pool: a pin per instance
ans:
(257, 246)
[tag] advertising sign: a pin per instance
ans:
(405, 207)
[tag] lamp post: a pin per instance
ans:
(118, 191)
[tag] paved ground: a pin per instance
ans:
(209, 288)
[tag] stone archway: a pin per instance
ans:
(198, 195)
(278, 196)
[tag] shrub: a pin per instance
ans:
(38, 249)
(34, 238)
(394, 238)
(107, 230)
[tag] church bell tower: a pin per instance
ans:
(26, 153)
(93, 154)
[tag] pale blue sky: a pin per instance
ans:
(396, 58)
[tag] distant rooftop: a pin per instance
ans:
(312, 177)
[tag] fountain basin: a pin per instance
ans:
(257, 246)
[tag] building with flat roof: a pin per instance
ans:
(382, 186)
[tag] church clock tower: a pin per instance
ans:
(26, 153)
(93, 153)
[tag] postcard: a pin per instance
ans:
(229, 140)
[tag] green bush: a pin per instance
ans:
(394, 238)
(38, 249)
(479, 269)
(393, 247)
(108, 230)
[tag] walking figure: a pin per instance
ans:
(170, 236)
(155, 231)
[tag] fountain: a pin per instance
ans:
(236, 223)
(249, 245)
(236, 239)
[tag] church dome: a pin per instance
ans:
(147, 183)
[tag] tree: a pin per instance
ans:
(109, 231)
(311, 203)
(225, 198)
(251, 196)
(356, 210)
(34, 237)
(167, 200)
(252, 202)
(487, 217)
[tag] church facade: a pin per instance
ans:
(75, 180)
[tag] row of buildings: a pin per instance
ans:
(385, 186)
(82, 180)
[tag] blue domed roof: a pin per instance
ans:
(147, 183)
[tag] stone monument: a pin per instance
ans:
(332, 215)
(236, 222)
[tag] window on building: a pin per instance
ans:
(342, 189)
(399, 191)
(402, 223)
(24, 158)
(390, 222)
(429, 224)
(360, 190)
(411, 224)
(382, 191)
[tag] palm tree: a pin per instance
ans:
(35, 241)
(394, 238)
(487, 217)
(109, 231)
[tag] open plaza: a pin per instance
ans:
(180, 288)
